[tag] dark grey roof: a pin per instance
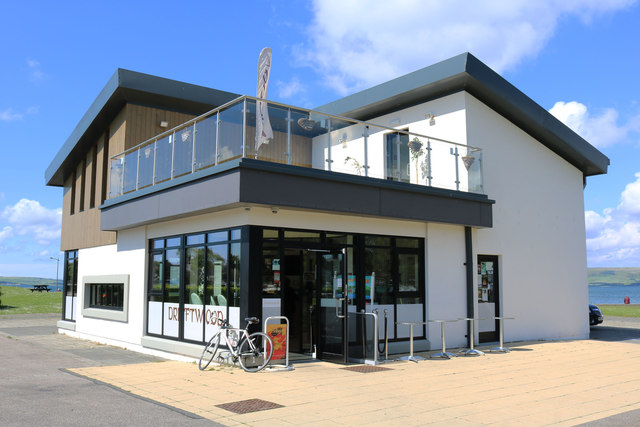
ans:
(129, 87)
(466, 72)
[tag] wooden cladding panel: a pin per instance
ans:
(144, 123)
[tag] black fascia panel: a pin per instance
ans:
(123, 87)
(247, 182)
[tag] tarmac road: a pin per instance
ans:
(37, 390)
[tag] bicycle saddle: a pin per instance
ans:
(251, 320)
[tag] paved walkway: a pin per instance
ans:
(538, 383)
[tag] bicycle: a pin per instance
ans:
(252, 351)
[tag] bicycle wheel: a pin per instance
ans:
(209, 351)
(255, 352)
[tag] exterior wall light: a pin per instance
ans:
(431, 117)
(164, 124)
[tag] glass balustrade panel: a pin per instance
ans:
(145, 165)
(347, 147)
(116, 177)
(164, 146)
(183, 151)
(303, 131)
(267, 131)
(230, 128)
(205, 132)
(130, 171)
(319, 126)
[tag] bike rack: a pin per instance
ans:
(286, 366)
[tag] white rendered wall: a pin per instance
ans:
(125, 257)
(538, 229)
(446, 283)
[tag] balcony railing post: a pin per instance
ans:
(124, 165)
(217, 159)
(244, 129)
(193, 149)
(456, 155)
(288, 136)
(172, 140)
(155, 149)
(365, 135)
(138, 171)
(429, 177)
(329, 161)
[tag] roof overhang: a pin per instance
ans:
(466, 73)
(129, 87)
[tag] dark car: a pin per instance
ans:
(595, 315)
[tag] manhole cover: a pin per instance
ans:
(365, 369)
(250, 405)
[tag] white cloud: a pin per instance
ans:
(613, 237)
(29, 218)
(358, 43)
(36, 74)
(289, 89)
(9, 115)
(5, 233)
(601, 130)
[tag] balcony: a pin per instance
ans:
(302, 138)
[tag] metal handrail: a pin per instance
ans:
(279, 104)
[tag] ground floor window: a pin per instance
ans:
(108, 296)
(70, 290)
(194, 284)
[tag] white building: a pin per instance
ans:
(445, 194)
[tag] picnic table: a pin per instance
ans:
(40, 288)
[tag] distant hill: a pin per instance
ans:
(614, 276)
(29, 281)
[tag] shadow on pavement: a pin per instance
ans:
(614, 333)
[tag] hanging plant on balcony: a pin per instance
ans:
(415, 146)
(356, 164)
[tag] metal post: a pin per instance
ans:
(457, 172)
(429, 177)
(443, 354)
(288, 136)
(155, 149)
(329, 161)
(138, 171)
(410, 356)
(366, 150)
(501, 348)
(472, 339)
(193, 149)
(386, 336)
(215, 162)
(173, 151)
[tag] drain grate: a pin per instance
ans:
(365, 369)
(250, 405)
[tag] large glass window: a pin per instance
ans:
(70, 291)
(194, 284)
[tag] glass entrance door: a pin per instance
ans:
(332, 310)
(488, 298)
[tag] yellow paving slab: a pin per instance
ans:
(539, 383)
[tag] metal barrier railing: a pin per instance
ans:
(364, 335)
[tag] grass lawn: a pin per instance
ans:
(622, 310)
(17, 300)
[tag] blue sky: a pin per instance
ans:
(576, 58)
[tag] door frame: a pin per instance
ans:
(342, 304)
(491, 336)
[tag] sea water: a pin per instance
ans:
(614, 294)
